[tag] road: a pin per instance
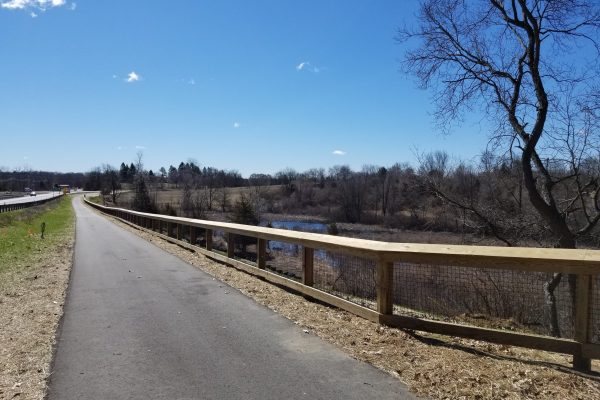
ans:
(29, 199)
(140, 323)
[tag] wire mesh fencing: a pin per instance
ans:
(285, 259)
(505, 299)
(350, 277)
(219, 241)
(245, 248)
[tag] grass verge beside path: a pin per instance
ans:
(34, 274)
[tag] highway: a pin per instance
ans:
(140, 323)
(29, 199)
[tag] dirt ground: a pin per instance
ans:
(32, 295)
(433, 366)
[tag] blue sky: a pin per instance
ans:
(255, 86)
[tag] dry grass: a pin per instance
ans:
(32, 292)
(438, 367)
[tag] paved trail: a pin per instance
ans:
(141, 324)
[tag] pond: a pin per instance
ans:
(301, 226)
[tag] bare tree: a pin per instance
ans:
(223, 199)
(524, 62)
(111, 184)
(350, 192)
(141, 198)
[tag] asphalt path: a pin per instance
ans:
(140, 323)
(29, 199)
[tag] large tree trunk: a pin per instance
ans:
(549, 288)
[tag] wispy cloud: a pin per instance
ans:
(42, 5)
(338, 152)
(307, 66)
(138, 147)
(133, 77)
(236, 125)
(33, 15)
(186, 81)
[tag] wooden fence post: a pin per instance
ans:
(169, 229)
(582, 316)
(261, 253)
(385, 288)
(230, 245)
(208, 236)
(308, 262)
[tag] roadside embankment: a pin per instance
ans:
(34, 273)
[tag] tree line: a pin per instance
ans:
(18, 180)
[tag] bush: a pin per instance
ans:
(243, 212)
(332, 229)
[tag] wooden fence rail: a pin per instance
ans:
(585, 264)
(20, 206)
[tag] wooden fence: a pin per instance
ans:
(19, 206)
(584, 264)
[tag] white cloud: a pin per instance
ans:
(73, 6)
(307, 66)
(42, 5)
(132, 77)
(236, 125)
(192, 82)
(140, 147)
(339, 152)
(33, 15)
(302, 65)
(15, 4)
(119, 148)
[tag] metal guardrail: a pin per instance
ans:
(388, 261)
(19, 206)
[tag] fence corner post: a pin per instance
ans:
(385, 288)
(580, 362)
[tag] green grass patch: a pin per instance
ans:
(95, 199)
(20, 232)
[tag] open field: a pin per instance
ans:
(438, 367)
(34, 273)
(172, 195)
